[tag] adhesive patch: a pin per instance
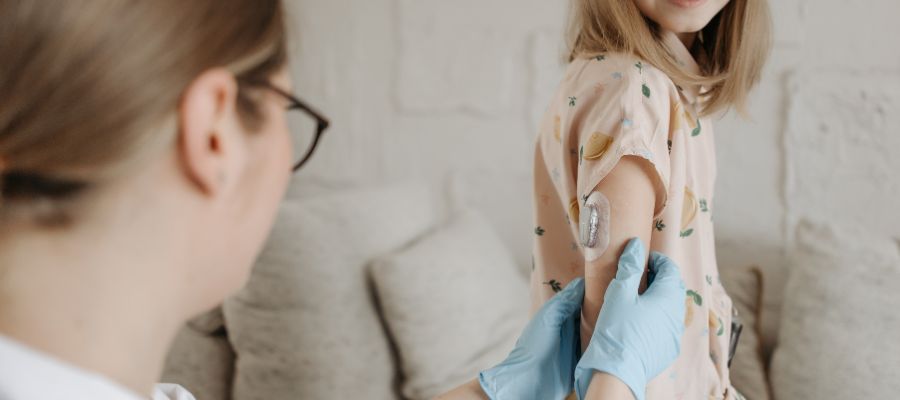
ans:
(594, 226)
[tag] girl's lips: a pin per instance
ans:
(687, 3)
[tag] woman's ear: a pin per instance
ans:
(204, 140)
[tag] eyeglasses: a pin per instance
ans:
(305, 123)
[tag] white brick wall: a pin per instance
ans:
(438, 90)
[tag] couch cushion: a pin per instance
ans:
(305, 326)
(840, 320)
(454, 302)
(747, 372)
(201, 358)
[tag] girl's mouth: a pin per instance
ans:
(687, 3)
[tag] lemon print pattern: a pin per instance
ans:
(688, 212)
(596, 146)
(691, 300)
(693, 123)
(715, 324)
(574, 211)
(676, 115)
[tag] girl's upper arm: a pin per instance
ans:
(621, 130)
(630, 194)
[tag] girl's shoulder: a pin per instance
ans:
(619, 75)
(609, 106)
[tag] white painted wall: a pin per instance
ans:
(452, 90)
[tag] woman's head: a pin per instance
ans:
(147, 117)
(733, 35)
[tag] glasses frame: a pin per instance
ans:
(295, 104)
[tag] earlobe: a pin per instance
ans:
(203, 113)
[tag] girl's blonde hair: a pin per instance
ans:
(87, 86)
(735, 45)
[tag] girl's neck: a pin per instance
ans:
(687, 39)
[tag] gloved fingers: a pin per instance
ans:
(658, 260)
(664, 267)
(563, 305)
(667, 289)
(631, 268)
(570, 346)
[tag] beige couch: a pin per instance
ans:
(396, 282)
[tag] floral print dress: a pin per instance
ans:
(614, 105)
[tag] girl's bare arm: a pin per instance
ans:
(631, 195)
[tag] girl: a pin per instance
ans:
(143, 152)
(626, 149)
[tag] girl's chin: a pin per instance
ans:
(684, 25)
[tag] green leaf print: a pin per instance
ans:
(687, 233)
(572, 101)
(696, 131)
(704, 207)
(709, 280)
(539, 231)
(721, 330)
(555, 285)
(646, 91)
(600, 58)
(698, 299)
(580, 155)
(659, 225)
(639, 66)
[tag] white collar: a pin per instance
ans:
(28, 374)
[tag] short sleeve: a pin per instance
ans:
(621, 108)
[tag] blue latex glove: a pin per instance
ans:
(542, 364)
(636, 336)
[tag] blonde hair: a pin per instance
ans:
(735, 45)
(87, 86)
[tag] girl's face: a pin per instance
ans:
(681, 16)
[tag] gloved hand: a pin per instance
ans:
(636, 336)
(542, 364)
